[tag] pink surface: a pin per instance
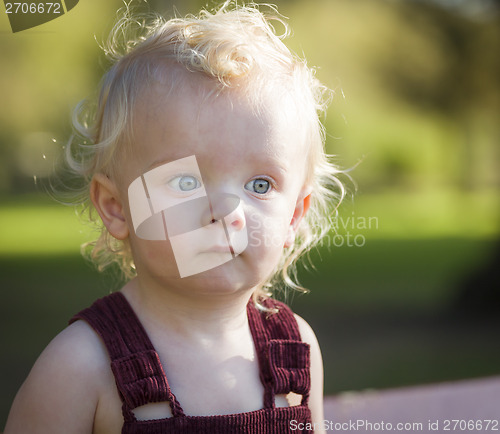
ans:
(464, 406)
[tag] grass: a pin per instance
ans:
(39, 227)
(397, 312)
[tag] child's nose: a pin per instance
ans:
(228, 207)
(236, 221)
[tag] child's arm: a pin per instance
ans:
(316, 395)
(62, 390)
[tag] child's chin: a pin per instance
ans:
(224, 279)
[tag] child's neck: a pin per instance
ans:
(204, 318)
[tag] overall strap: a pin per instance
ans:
(135, 364)
(284, 359)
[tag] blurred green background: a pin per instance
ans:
(405, 292)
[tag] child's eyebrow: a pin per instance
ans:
(163, 160)
(158, 163)
(269, 162)
(264, 160)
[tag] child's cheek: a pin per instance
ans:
(266, 232)
(156, 256)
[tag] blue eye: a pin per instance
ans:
(184, 183)
(259, 186)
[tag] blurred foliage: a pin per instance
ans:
(421, 86)
(416, 85)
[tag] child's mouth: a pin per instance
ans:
(220, 249)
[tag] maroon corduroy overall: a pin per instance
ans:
(283, 362)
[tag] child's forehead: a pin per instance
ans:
(197, 109)
(264, 96)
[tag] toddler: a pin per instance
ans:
(204, 160)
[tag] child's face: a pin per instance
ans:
(225, 187)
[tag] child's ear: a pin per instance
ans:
(301, 207)
(105, 197)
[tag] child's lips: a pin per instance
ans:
(219, 249)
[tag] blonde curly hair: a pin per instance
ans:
(233, 45)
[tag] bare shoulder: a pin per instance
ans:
(62, 390)
(306, 332)
(316, 395)
(309, 337)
